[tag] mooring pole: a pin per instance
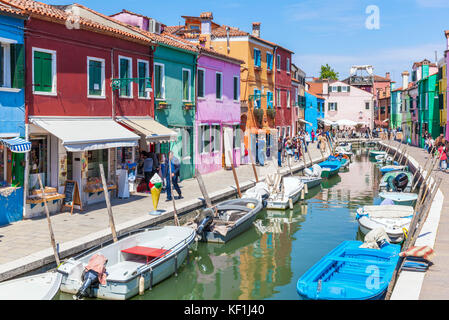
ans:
(108, 204)
(235, 177)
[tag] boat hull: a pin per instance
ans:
(42, 286)
(399, 198)
(282, 205)
(311, 182)
(393, 227)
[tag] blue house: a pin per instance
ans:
(12, 114)
(314, 110)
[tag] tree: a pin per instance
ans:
(328, 73)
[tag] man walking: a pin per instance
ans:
(175, 166)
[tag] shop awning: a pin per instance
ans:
(17, 145)
(150, 128)
(78, 134)
(304, 121)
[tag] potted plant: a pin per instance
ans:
(258, 114)
(271, 113)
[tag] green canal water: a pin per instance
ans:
(266, 261)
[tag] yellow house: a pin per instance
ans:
(257, 77)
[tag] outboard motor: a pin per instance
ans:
(90, 279)
(400, 182)
(91, 275)
(204, 220)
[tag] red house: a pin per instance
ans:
(81, 76)
(284, 95)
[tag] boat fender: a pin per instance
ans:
(141, 285)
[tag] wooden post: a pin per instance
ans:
(254, 166)
(394, 156)
(303, 153)
(50, 229)
(175, 213)
(200, 181)
(108, 204)
(235, 177)
(310, 157)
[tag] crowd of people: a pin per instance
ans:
(438, 147)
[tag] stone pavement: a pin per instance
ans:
(25, 245)
(435, 285)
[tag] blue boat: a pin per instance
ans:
(329, 168)
(391, 168)
(350, 273)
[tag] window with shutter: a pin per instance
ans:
(236, 88)
(143, 72)
(219, 85)
(17, 66)
(44, 71)
(185, 84)
(96, 77)
(201, 83)
(159, 81)
(125, 71)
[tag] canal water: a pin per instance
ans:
(266, 261)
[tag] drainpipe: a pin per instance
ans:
(112, 91)
(195, 127)
(27, 132)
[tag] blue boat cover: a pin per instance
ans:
(17, 145)
(350, 273)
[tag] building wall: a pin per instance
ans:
(284, 84)
(210, 111)
(313, 111)
(72, 49)
(396, 116)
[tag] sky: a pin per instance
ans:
(341, 33)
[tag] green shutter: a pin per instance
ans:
(124, 73)
(185, 85)
(339, 88)
(17, 66)
(201, 83)
(218, 85)
(157, 82)
(336, 106)
(142, 68)
(236, 88)
(95, 83)
(43, 72)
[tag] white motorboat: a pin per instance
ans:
(395, 219)
(289, 192)
(151, 255)
(43, 286)
(312, 176)
(260, 192)
(346, 146)
(400, 198)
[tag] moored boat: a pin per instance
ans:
(400, 198)
(374, 153)
(329, 168)
(389, 181)
(43, 286)
(343, 274)
(233, 218)
(151, 254)
(395, 219)
(391, 168)
(290, 192)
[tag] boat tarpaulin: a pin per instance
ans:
(150, 128)
(78, 134)
(17, 145)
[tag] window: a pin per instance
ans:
(236, 88)
(204, 142)
(332, 106)
(215, 139)
(12, 65)
(278, 62)
(288, 99)
(219, 85)
(237, 138)
(270, 99)
(426, 106)
(269, 61)
(159, 81)
(143, 68)
(125, 72)
(278, 97)
(201, 83)
(288, 65)
(94, 158)
(95, 77)
(257, 60)
(44, 71)
(344, 89)
(334, 89)
(194, 27)
(367, 105)
(257, 98)
(186, 85)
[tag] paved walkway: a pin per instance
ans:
(435, 285)
(25, 245)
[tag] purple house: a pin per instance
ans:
(217, 120)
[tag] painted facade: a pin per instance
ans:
(314, 110)
(12, 112)
(283, 91)
(429, 115)
(396, 105)
(442, 96)
(298, 86)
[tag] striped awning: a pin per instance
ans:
(17, 145)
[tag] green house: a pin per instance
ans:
(174, 95)
(429, 113)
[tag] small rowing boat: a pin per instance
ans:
(348, 273)
(400, 198)
(43, 286)
(374, 153)
(329, 168)
(390, 168)
(290, 192)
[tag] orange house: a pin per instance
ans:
(257, 76)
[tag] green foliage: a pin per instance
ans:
(328, 73)
(258, 114)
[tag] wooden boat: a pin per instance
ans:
(329, 168)
(391, 168)
(400, 198)
(234, 217)
(260, 192)
(290, 191)
(374, 153)
(384, 158)
(393, 218)
(344, 163)
(385, 186)
(346, 273)
(43, 286)
(154, 254)
(311, 182)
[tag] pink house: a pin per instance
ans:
(346, 102)
(217, 119)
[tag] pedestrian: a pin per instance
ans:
(280, 150)
(175, 166)
(148, 168)
(307, 140)
(442, 156)
(313, 136)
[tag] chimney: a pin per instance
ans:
(256, 29)
(206, 27)
(387, 75)
(405, 75)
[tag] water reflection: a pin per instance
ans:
(266, 261)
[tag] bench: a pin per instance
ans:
(149, 253)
